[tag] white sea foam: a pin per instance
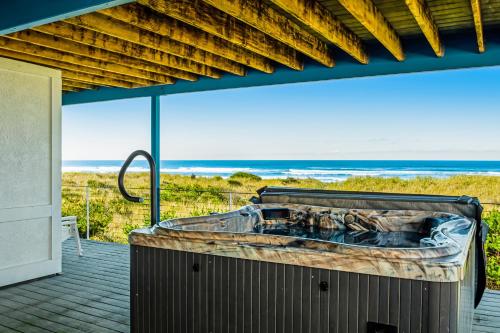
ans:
(208, 170)
(101, 169)
(180, 170)
(375, 172)
(491, 173)
(378, 173)
(323, 174)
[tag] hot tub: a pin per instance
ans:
(312, 261)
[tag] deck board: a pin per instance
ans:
(92, 295)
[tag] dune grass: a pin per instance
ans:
(112, 218)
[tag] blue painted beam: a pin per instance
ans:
(155, 145)
(460, 53)
(16, 15)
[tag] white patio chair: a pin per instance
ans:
(70, 228)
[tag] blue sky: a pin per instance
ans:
(441, 115)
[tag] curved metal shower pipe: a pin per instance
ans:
(152, 181)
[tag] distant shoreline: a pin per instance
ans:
(326, 171)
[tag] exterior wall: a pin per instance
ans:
(30, 171)
(176, 291)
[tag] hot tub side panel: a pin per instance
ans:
(466, 295)
(175, 291)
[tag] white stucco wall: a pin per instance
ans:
(30, 171)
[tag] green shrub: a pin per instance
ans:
(245, 176)
(101, 209)
(289, 180)
(128, 227)
(202, 211)
(191, 192)
(96, 184)
(100, 216)
(492, 249)
(234, 182)
(74, 205)
(168, 214)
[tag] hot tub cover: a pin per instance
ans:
(441, 255)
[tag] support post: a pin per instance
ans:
(155, 144)
(87, 201)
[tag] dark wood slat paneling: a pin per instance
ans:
(90, 298)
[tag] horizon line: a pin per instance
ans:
(226, 160)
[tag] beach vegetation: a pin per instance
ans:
(290, 180)
(492, 248)
(112, 218)
(234, 182)
(245, 176)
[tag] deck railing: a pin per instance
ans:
(103, 213)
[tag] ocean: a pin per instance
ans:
(327, 171)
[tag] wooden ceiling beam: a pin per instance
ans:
(72, 67)
(67, 88)
(372, 19)
(314, 15)
(78, 84)
(202, 16)
(112, 44)
(96, 80)
(124, 31)
(423, 16)
(48, 53)
(69, 46)
(478, 24)
(144, 18)
(259, 15)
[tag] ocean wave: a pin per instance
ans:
(101, 169)
(326, 179)
(322, 174)
(492, 173)
(180, 170)
(365, 172)
(380, 172)
(211, 170)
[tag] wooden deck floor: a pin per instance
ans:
(93, 296)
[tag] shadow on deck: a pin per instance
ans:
(92, 295)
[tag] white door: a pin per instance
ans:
(30, 171)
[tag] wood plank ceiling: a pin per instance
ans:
(157, 42)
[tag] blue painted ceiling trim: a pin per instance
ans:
(16, 15)
(461, 52)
